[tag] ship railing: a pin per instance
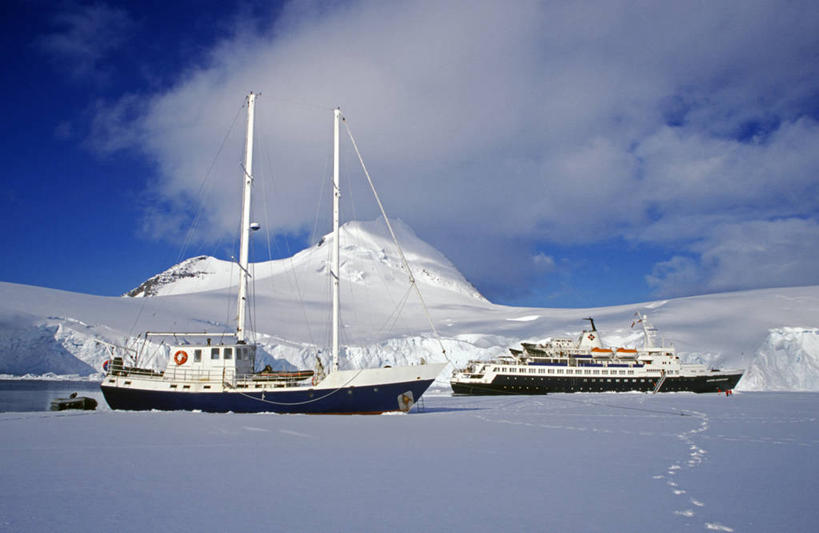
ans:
(119, 370)
(226, 375)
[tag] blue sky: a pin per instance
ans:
(561, 154)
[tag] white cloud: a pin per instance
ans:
(689, 173)
(543, 262)
(744, 255)
(526, 124)
(676, 277)
(84, 36)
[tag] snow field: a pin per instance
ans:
(598, 462)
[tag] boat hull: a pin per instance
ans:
(502, 384)
(349, 400)
(79, 402)
(369, 391)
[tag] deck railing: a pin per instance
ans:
(228, 376)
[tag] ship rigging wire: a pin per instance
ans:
(395, 240)
(312, 400)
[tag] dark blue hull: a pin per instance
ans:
(503, 384)
(348, 400)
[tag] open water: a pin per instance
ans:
(26, 395)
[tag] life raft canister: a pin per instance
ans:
(180, 357)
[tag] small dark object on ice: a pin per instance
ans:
(74, 402)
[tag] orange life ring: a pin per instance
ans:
(180, 357)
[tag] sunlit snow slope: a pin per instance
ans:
(773, 333)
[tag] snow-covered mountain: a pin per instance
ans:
(773, 333)
(367, 254)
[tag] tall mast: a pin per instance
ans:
(334, 271)
(244, 238)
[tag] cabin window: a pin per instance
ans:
(214, 353)
(604, 372)
(197, 356)
(228, 353)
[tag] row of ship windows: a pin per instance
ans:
(578, 372)
(226, 354)
(606, 380)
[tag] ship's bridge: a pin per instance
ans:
(207, 359)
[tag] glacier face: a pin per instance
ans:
(30, 345)
(788, 359)
(772, 333)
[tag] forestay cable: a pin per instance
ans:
(395, 240)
